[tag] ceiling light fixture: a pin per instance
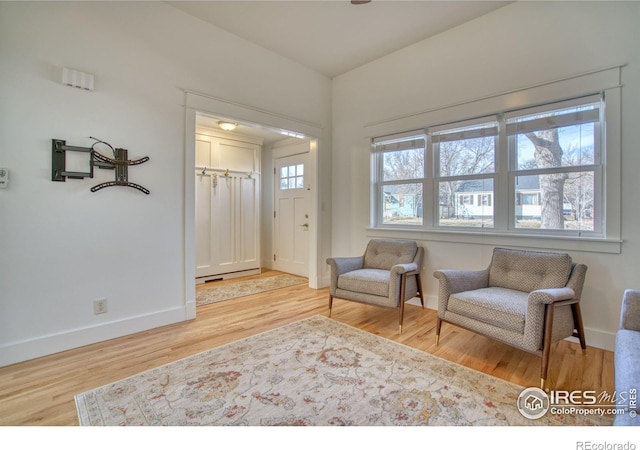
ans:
(360, 2)
(227, 126)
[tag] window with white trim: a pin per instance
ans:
(536, 170)
(400, 171)
(556, 168)
(465, 170)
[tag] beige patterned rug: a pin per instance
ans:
(212, 293)
(313, 372)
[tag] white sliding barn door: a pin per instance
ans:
(227, 207)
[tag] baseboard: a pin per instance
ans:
(598, 338)
(46, 345)
(430, 302)
(595, 338)
(325, 280)
(228, 276)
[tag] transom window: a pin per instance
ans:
(534, 170)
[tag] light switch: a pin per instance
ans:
(4, 178)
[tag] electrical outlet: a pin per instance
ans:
(100, 306)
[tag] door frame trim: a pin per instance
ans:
(194, 103)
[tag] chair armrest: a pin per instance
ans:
(630, 312)
(345, 264)
(548, 296)
(404, 268)
(462, 280)
(340, 265)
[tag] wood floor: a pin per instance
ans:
(41, 391)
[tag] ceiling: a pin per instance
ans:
(333, 36)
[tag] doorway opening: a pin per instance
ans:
(279, 135)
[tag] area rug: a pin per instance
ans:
(313, 372)
(212, 294)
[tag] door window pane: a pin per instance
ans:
(292, 177)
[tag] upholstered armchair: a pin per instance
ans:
(525, 299)
(387, 275)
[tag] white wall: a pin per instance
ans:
(63, 246)
(521, 45)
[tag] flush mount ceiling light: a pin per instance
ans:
(227, 126)
(360, 2)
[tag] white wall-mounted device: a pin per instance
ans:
(4, 178)
(75, 78)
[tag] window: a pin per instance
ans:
(292, 177)
(401, 172)
(528, 171)
(484, 199)
(556, 168)
(465, 159)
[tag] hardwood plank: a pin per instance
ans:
(41, 391)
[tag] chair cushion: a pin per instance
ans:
(367, 281)
(504, 308)
(527, 271)
(385, 253)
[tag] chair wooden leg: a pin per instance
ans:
(577, 320)
(420, 294)
(330, 304)
(403, 290)
(438, 327)
(546, 344)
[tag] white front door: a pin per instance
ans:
(292, 221)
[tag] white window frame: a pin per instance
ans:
(605, 82)
(596, 167)
(382, 145)
(458, 131)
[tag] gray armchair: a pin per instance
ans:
(387, 275)
(525, 299)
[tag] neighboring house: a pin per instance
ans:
(400, 205)
(474, 199)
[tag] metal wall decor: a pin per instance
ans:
(119, 162)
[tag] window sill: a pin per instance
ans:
(567, 243)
